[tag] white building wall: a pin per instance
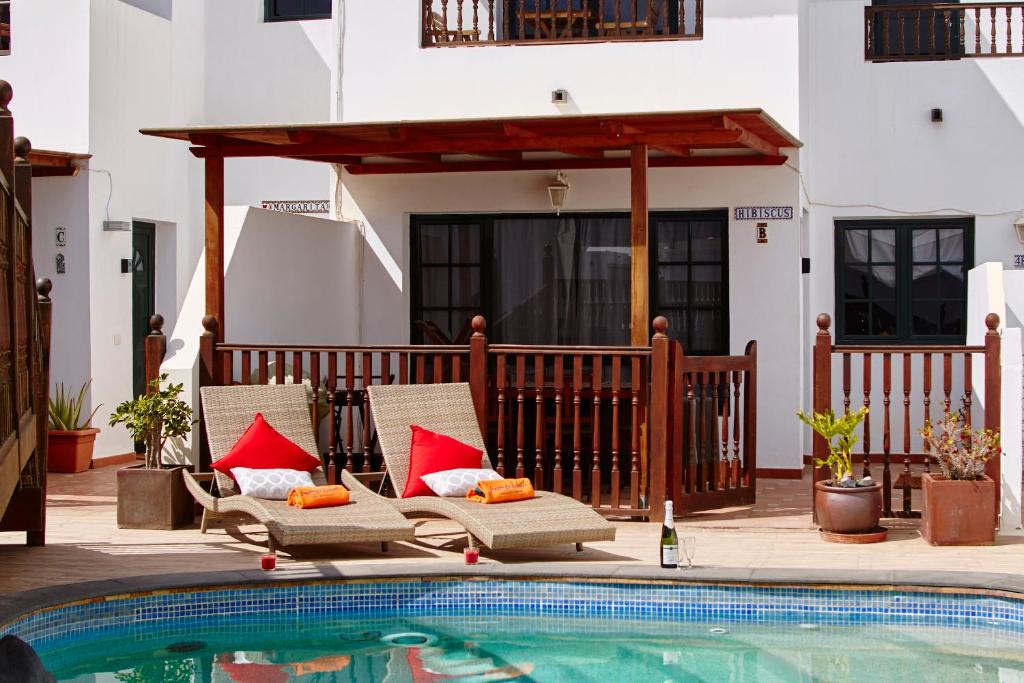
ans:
(65, 202)
(871, 151)
(748, 58)
(764, 280)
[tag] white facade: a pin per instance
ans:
(870, 151)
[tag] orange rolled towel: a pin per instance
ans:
(318, 496)
(501, 491)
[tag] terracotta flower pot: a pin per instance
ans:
(848, 511)
(153, 499)
(958, 512)
(70, 451)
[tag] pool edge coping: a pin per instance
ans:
(15, 606)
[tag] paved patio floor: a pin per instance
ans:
(85, 544)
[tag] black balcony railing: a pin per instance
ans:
(938, 31)
(507, 22)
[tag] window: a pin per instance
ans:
(5, 27)
(297, 10)
(903, 281)
(689, 283)
(565, 280)
(447, 283)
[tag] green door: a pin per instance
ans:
(143, 296)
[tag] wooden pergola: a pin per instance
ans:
(745, 137)
(48, 163)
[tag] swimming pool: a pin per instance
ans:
(540, 629)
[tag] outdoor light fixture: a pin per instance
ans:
(1018, 225)
(558, 190)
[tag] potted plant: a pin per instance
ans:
(844, 504)
(70, 439)
(151, 496)
(960, 500)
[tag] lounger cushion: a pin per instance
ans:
(262, 447)
(272, 484)
(458, 482)
(431, 452)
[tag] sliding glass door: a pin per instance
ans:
(565, 280)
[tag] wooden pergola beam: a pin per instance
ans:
(716, 138)
(749, 139)
(563, 164)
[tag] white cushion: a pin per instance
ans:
(269, 484)
(457, 482)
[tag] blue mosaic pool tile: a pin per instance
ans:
(313, 603)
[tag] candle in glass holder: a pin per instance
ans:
(269, 562)
(472, 555)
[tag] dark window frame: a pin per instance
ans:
(654, 261)
(486, 223)
(271, 15)
(904, 265)
(5, 13)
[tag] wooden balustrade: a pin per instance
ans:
(927, 376)
(619, 428)
(943, 31)
(25, 311)
(449, 23)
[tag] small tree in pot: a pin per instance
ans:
(844, 504)
(960, 501)
(149, 496)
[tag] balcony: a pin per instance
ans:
(943, 31)
(453, 23)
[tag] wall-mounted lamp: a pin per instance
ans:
(1018, 225)
(558, 190)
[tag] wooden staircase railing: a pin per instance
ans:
(25, 319)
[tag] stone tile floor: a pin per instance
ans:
(85, 544)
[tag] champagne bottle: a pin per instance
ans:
(669, 544)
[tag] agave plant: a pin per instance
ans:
(66, 409)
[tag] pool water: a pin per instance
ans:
(537, 648)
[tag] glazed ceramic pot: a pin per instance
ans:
(848, 510)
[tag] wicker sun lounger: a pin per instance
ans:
(547, 519)
(228, 412)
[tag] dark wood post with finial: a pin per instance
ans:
(36, 534)
(209, 373)
(478, 370)
(822, 396)
(993, 395)
(23, 175)
(6, 131)
(658, 417)
(156, 349)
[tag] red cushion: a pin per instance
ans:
(432, 452)
(264, 448)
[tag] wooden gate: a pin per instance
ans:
(24, 344)
(709, 423)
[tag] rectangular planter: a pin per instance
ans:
(153, 499)
(958, 512)
(70, 451)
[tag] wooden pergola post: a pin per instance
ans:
(640, 280)
(215, 239)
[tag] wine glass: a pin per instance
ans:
(689, 549)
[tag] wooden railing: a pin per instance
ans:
(24, 344)
(448, 23)
(932, 381)
(943, 31)
(619, 428)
